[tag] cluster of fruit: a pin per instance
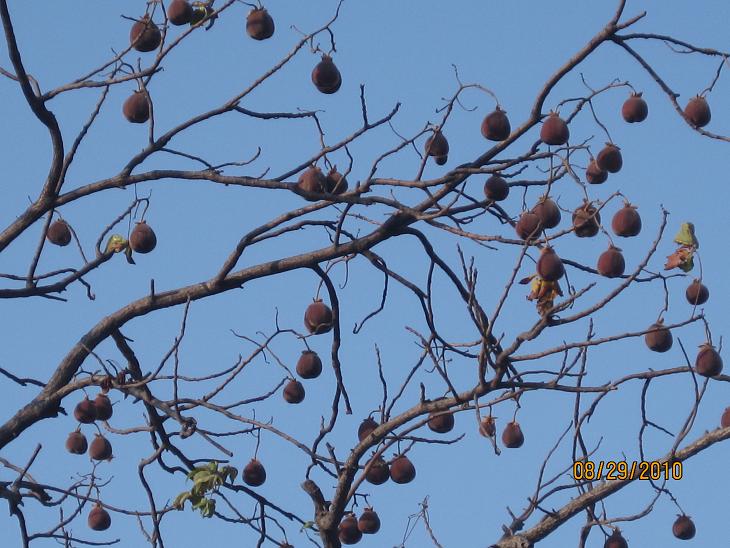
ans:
(87, 412)
(145, 36)
(351, 529)
(683, 528)
(142, 239)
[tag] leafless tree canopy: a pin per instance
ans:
(359, 218)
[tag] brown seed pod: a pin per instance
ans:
(441, 423)
(76, 443)
(136, 109)
(610, 158)
(100, 448)
(683, 528)
(318, 318)
(143, 238)
(626, 222)
(698, 112)
(437, 146)
(548, 212)
(309, 365)
(659, 340)
(326, 76)
(402, 470)
(259, 24)
(616, 540)
(99, 519)
(293, 392)
(586, 220)
(379, 472)
(487, 427)
(144, 35)
(104, 409)
(369, 522)
(611, 263)
(708, 362)
(697, 293)
(59, 233)
(495, 126)
(528, 226)
(635, 109)
(347, 530)
(512, 436)
(335, 182)
(549, 266)
(725, 419)
(254, 473)
(554, 130)
(179, 12)
(85, 411)
(594, 174)
(312, 180)
(496, 188)
(366, 428)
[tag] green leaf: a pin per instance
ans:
(686, 236)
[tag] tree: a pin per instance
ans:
(327, 227)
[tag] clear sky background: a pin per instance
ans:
(402, 52)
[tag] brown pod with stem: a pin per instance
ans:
(659, 338)
(379, 472)
(512, 436)
(594, 174)
(554, 130)
(143, 239)
(635, 109)
(402, 470)
(528, 226)
(586, 220)
(549, 266)
(259, 24)
(496, 126)
(626, 222)
(708, 362)
(441, 422)
(697, 293)
(611, 263)
(548, 212)
(609, 159)
(309, 365)
(59, 233)
(698, 112)
(100, 448)
(99, 519)
(348, 531)
(326, 76)
(335, 182)
(76, 443)
(369, 522)
(318, 318)
(104, 409)
(254, 473)
(136, 108)
(496, 188)
(366, 428)
(616, 540)
(487, 427)
(85, 411)
(144, 35)
(683, 527)
(179, 12)
(312, 180)
(293, 392)
(438, 147)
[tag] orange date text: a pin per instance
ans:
(611, 470)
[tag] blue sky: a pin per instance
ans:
(402, 52)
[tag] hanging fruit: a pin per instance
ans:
(554, 130)
(326, 76)
(635, 109)
(496, 126)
